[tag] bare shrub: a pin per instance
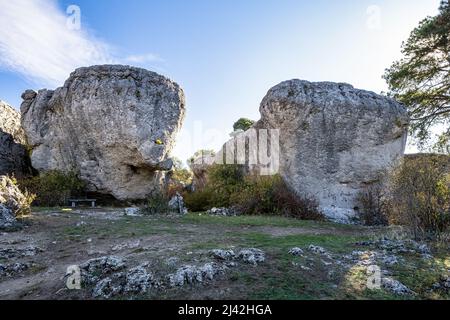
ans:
(53, 188)
(230, 186)
(269, 195)
(420, 195)
(157, 203)
(373, 206)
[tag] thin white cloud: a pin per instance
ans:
(143, 58)
(36, 42)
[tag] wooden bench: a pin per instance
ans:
(75, 201)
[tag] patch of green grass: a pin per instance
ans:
(122, 228)
(45, 209)
(274, 221)
(335, 243)
(419, 275)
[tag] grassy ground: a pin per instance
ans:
(72, 237)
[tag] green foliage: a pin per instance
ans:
(223, 182)
(157, 203)
(53, 188)
(420, 195)
(243, 124)
(421, 79)
(180, 175)
(200, 200)
(269, 195)
(229, 186)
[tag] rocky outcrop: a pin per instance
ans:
(12, 203)
(13, 154)
(113, 125)
(335, 140)
(176, 204)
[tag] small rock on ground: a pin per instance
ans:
(296, 251)
(252, 256)
(223, 254)
(189, 274)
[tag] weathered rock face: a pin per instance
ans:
(12, 203)
(13, 155)
(114, 125)
(334, 140)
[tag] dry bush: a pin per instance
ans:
(230, 186)
(157, 203)
(291, 205)
(420, 195)
(200, 200)
(373, 210)
(53, 188)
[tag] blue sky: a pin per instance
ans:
(226, 54)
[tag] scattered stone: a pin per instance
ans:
(106, 289)
(109, 277)
(326, 263)
(13, 269)
(227, 212)
(96, 253)
(319, 250)
(29, 251)
(390, 260)
(231, 264)
(8, 221)
(81, 223)
(296, 251)
(400, 246)
(443, 284)
(446, 282)
(252, 256)
(189, 274)
(127, 245)
(114, 125)
(395, 286)
(427, 256)
(304, 268)
(93, 269)
(172, 262)
(223, 254)
(177, 204)
(133, 212)
(139, 280)
(368, 258)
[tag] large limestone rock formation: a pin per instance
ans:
(334, 140)
(114, 125)
(13, 155)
